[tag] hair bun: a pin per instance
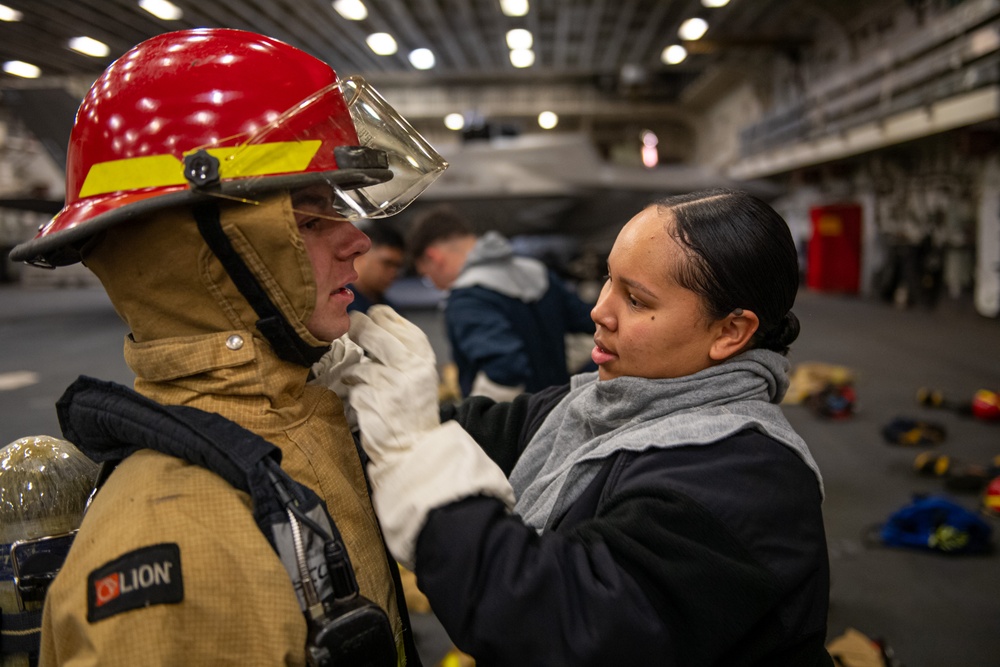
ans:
(785, 333)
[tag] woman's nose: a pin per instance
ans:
(601, 313)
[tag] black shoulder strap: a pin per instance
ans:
(108, 421)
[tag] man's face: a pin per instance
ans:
(378, 268)
(333, 244)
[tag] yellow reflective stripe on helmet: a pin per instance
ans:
(156, 171)
(133, 174)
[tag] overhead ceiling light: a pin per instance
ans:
(514, 7)
(381, 43)
(693, 29)
(519, 38)
(161, 9)
(352, 10)
(22, 69)
(522, 57)
(674, 54)
(547, 120)
(714, 3)
(89, 46)
(9, 14)
(454, 121)
(422, 58)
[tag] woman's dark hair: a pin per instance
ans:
(741, 255)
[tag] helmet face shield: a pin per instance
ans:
(374, 161)
(413, 162)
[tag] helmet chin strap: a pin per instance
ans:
(273, 325)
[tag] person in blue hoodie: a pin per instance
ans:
(506, 316)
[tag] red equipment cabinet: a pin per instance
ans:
(834, 254)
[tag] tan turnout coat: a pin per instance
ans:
(238, 604)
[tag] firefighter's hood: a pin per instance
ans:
(173, 293)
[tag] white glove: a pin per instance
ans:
(329, 372)
(396, 395)
(416, 463)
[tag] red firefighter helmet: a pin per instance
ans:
(219, 112)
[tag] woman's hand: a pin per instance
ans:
(416, 462)
(395, 395)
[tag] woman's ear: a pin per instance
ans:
(735, 333)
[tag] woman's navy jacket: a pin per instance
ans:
(707, 555)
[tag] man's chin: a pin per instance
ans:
(329, 328)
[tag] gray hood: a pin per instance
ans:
(599, 419)
(492, 264)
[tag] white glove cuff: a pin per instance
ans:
(445, 465)
(482, 385)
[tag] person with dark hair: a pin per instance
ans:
(507, 317)
(378, 268)
(666, 512)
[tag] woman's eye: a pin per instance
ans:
(635, 303)
(309, 224)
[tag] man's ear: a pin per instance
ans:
(735, 332)
(433, 253)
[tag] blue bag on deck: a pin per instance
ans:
(934, 523)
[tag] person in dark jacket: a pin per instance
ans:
(507, 317)
(666, 512)
(378, 268)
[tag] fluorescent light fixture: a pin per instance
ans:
(522, 57)
(352, 10)
(161, 9)
(381, 43)
(514, 7)
(22, 69)
(89, 46)
(454, 121)
(693, 29)
(10, 14)
(519, 38)
(547, 120)
(673, 54)
(714, 3)
(422, 58)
